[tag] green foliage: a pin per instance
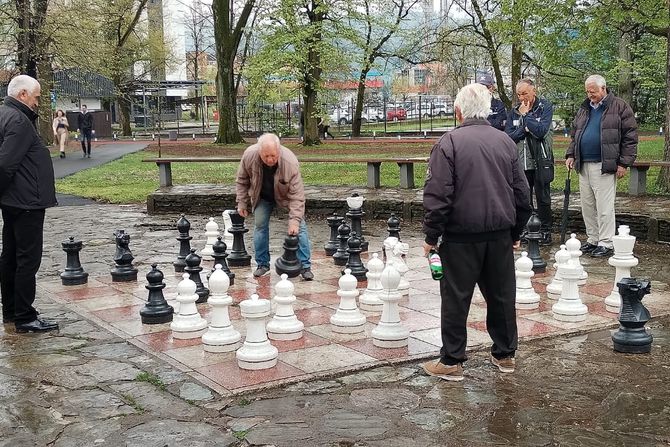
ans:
(152, 379)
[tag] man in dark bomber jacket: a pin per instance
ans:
(26, 190)
(476, 198)
(603, 146)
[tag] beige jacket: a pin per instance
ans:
(289, 188)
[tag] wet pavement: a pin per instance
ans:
(93, 383)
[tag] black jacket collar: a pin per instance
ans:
(15, 103)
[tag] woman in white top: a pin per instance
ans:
(60, 127)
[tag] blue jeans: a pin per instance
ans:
(262, 214)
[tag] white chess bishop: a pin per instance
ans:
(256, 352)
(221, 336)
(390, 333)
(369, 299)
(284, 324)
(569, 307)
(347, 318)
(187, 323)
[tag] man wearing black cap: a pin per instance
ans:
(498, 113)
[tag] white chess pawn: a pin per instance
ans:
(569, 307)
(221, 336)
(390, 333)
(526, 297)
(211, 233)
(574, 248)
(369, 299)
(227, 225)
(187, 323)
(256, 352)
(347, 318)
(284, 325)
(555, 287)
(623, 260)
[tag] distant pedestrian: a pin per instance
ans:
(61, 129)
(324, 126)
(498, 114)
(477, 200)
(26, 190)
(603, 147)
(85, 125)
(301, 124)
(529, 125)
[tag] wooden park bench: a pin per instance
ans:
(406, 166)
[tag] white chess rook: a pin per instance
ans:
(221, 336)
(569, 307)
(256, 352)
(555, 287)
(284, 324)
(369, 299)
(574, 248)
(211, 233)
(390, 333)
(347, 318)
(526, 297)
(623, 260)
(187, 323)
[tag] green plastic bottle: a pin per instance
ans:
(435, 264)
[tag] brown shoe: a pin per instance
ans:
(505, 365)
(453, 373)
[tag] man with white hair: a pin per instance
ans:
(269, 176)
(477, 200)
(603, 146)
(26, 190)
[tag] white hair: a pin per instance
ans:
(269, 139)
(597, 80)
(474, 101)
(21, 83)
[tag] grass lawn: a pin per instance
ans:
(129, 180)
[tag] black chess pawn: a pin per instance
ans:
(632, 337)
(334, 221)
(219, 248)
(156, 310)
(123, 270)
(356, 217)
(533, 237)
(238, 256)
(183, 226)
(393, 226)
(74, 274)
(288, 262)
(341, 256)
(354, 263)
(193, 269)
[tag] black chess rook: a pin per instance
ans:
(74, 274)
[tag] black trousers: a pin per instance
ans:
(490, 265)
(542, 199)
(22, 237)
(86, 138)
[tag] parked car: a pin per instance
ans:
(430, 110)
(343, 117)
(396, 114)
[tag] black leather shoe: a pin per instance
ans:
(307, 274)
(601, 252)
(588, 247)
(36, 325)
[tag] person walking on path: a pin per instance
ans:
(61, 128)
(529, 125)
(603, 146)
(477, 201)
(498, 114)
(269, 176)
(26, 190)
(85, 125)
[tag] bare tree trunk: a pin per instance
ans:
(626, 73)
(312, 77)
(124, 115)
(663, 179)
(517, 52)
(360, 95)
(44, 127)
